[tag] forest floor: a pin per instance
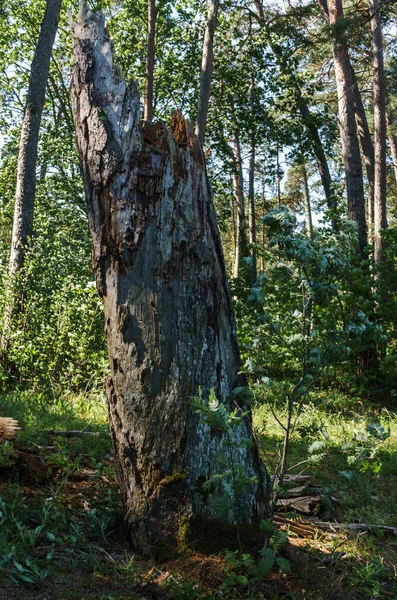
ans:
(61, 532)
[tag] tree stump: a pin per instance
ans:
(159, 267)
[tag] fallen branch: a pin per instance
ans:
(73, 433)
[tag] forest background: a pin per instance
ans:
(303, 176)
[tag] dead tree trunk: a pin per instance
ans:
(148, 104)
(27, 158)
(170, 329)
(380, 219)
(347, 125)
(206, 70)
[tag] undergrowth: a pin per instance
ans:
(63, 536)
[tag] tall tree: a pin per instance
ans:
(347, 123)
(206, 69)
(380, 125)
(241, 246)
(148, 104)
(251, 180)
(170, 329)
(308, 119)
(367, 146)
(27, 158)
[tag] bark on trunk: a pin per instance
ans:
(148, 105)
(206, 70)
(27, 158)
(347, 125)
(170, 330)
(380, 219)
(241, 227)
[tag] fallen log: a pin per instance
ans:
(8, 429)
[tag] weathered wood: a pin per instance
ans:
(8, 428)
(170, 329)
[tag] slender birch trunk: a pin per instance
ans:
(206, 69)
(307, 203)
(347, 126)
(238, 191)
(251, 189)
(380, 219)
(151, 49)
(27, 158)
(169, 323)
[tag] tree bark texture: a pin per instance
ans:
(238, 192)
(169, 322)
(380, 126)
(148, 104)
(206, 69)
(347, 125)
(27, 157)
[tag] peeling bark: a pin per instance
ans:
(169, 322)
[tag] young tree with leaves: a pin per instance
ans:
(27, 158)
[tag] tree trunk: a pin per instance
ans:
(206, 69)
(27, 158)
(380, 219)
(347, 125)
(251, 189)
(308, 210)
(309, 123)
(321, 159)
(392, 142)
(170, 330)
(367, 148)
(238, 191)
(148, 106)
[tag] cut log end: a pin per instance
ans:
(8, 429)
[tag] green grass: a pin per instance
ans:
(63, 537)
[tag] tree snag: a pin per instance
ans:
(159, 268)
